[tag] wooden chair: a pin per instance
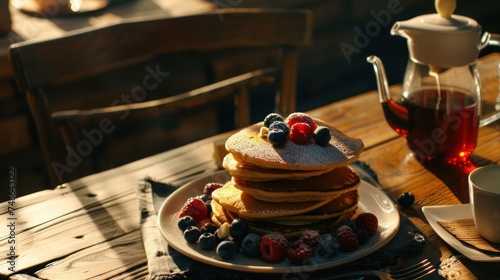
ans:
(96, 94)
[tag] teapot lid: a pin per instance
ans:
(441, 39)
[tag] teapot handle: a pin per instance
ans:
(489, 39)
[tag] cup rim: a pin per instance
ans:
(480, 170)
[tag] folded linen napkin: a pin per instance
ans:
(408, 241)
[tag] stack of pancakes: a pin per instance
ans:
(288, 188)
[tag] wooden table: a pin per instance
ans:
(90, 227)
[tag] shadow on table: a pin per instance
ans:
(456, 176)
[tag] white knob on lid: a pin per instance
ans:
(445, 8)
(441, 39)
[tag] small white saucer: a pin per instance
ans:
(456, 212)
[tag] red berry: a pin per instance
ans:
(300, 118)
(301, 133)
(300, 255)
(195, 208)
(210, 187)
(273, 247)
(347, 239)
(368, 221)
(309, 237)
(204, 221)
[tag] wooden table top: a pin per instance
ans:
(83, 228)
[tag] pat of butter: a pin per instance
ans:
(219, 151)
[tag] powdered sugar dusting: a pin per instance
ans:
(248, 146)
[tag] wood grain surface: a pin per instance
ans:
(92, 226)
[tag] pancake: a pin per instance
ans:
(326, 186)
(246, 206)
(291, 229)
(324, 226)
(336, 207)
(248, 147)
(255, 173)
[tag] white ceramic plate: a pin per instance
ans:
(371, 200)
(455, 212)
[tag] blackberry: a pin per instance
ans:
(250, 245)
(327, 246)
(269, 119)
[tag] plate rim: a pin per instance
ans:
(269, 268)
(433, 212)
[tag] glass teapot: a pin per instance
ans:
(440, 108)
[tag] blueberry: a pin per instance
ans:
(350, 223)
(238, 229)
(205, 197)
(269, 119)
(276, 137)
(280, 126)
(406, 199)
(250, 245)
(191, 234)
(207, 241)
(322, 135)
(226, 249)
(208, 204)
(185, 222)
(362, 235)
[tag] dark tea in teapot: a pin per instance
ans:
(438, 124)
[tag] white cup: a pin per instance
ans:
(484, 192)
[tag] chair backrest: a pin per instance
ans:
(90, 88)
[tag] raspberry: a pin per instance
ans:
(208, 227)
(309, 237)
(210, 187)
(347, 239)
(273, 117)
(300, 118)
(273, 247)
(300, 255)
(195, 208)
(301, 133)
(367, 221)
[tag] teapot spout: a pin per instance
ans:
(383, 86)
